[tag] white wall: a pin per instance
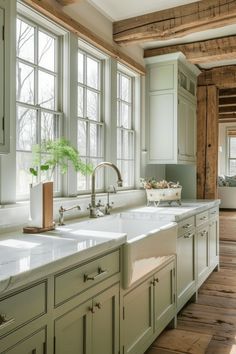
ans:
(186, 175)
(222, 167)
(90, 17)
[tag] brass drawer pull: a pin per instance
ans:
(4, 322)
(99, 275)
(91, 309)
(187, 226)
(203, 233)
(189, 235)
(98, 305)
(203, 218)
(156, 280)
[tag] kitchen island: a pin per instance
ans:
(62, 290)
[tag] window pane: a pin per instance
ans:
(24, 83)
(46, 51)
(125, 116)
(80, 67)
(92, 73)
(95, 140)
(23, 177)
(232, 167)
(24, 41)
(119, 143)
(81, 180)
(232, 152)
(125, 88)
(92, 105)
(46, 88)
(49, 126)
(80, 102)
(82, 138)
(26, 128)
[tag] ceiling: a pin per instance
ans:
(122, 9)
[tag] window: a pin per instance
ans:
(125, 128)
(37, 96)
(90, 126)
(231, 152)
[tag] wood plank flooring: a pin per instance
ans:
(209, 326)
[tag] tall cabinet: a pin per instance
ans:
(7, 70)
(171, 109)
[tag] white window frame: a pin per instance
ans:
(90, 52)
(228, 158)
(122, 70)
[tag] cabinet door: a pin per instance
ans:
(2, 76)
(32, 345)
(164, 296)
(185, 267)
(213, 241)
(191, 132)
(73, 331)
(162, 128)
(105, 322)
(137, 322)
(202, 254)
(186, 129)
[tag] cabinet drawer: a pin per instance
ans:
(186, 225)
(80, 278)
(201, 218)
(213, 212)
(22, 307)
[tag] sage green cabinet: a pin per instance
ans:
(137, 324)
(213, 238)
(7, 70)
(34, 344)
(91, 327)
(202, 253)
(171, 109)
(186, 264)
(147, 309)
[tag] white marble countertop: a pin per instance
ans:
(25, 257)
(174, 212)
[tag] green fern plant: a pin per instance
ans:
(57, 153)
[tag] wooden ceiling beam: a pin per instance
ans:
(66, 2)
(227, 116)
(227, 101)
(224, 77)
(175, 22)
(201, 52)
(230, 109)
(227, 92)
(54, 11)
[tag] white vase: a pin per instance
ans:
(155, 196)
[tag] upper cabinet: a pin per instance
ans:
(171, 109)
(7, 70)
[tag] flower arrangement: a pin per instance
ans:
(152, 183)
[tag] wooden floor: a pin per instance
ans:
(209, 326)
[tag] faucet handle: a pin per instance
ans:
(99, 204)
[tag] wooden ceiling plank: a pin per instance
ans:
(227, 92)
(175, 22)
(227, 101)
(54, 11)
(201, 52)
(227, 109)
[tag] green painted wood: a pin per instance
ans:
(35, 344)
(105, 322)
(186, 263)
(73, 331)
(137, 324)
(202, 253)
(213, 241)
(164, 296)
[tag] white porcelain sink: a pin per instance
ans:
(147, 241)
